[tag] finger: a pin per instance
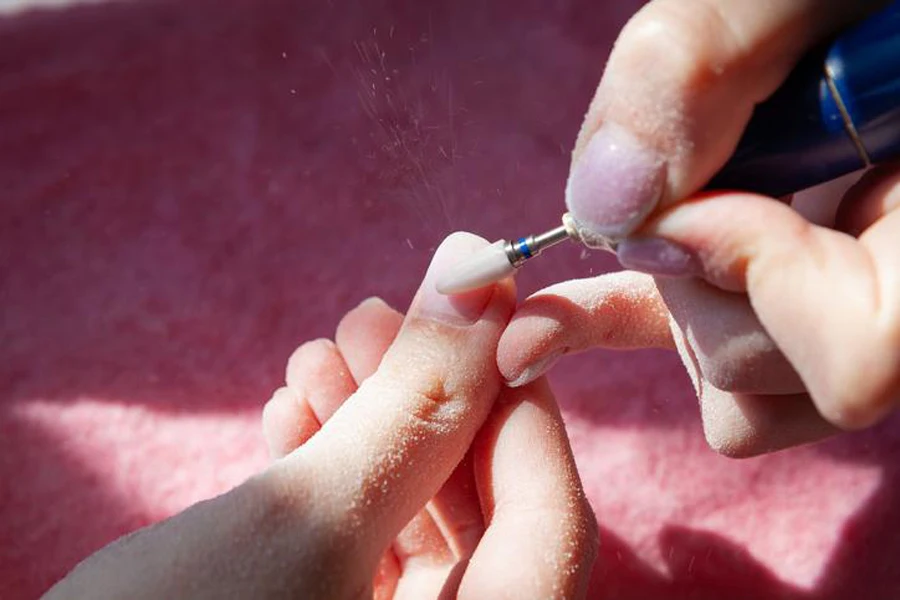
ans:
(819, 204)
(447, 530)
(744, 425)
(541, 539)
(394, 443)
(317, 373)
(747, 425)
(457, 511)
(386, 577)
(619, 310)
(830, 303)
(733, 351)
(318, 381)
(436, 545)
(288, 422)
(364, 335)
(677, 92)
(875, 195)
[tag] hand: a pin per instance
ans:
(414, 487)
(789, 330)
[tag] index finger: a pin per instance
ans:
(394, 442)
(541, 539)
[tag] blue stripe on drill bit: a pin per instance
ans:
(522, 248)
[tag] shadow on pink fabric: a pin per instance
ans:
(190, 190)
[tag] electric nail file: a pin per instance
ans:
(838, 112)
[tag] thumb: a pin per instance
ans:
(830, 302)
(394, 442)
(679, 89)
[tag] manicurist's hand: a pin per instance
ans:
(789, 330)
(404, 469)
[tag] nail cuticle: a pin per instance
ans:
(460, 309)
(537, 369)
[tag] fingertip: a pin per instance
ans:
(526, 343)
(875, 194)
(373, 304)
(303, 357)
(364, 335)
(619, 310)
(287, 423)
(370, 311)
(317, 372)
(747, 425)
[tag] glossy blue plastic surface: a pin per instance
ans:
(798, 138)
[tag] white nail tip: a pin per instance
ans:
(483, 268)
(533, 371)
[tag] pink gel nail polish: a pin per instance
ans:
(615, 183)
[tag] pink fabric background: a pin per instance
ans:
(192, 189)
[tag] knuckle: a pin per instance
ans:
(310, 355)
(859, 386)
(691, 41)
(424, 399)
(862, 401)
(436, 410)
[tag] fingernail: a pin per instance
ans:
(615, 183)
(455, 309)
(657, 256)
(536, 369)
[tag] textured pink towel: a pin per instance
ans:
(190, 190)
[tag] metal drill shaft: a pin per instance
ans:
(523, 249)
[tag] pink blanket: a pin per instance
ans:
(190, 190)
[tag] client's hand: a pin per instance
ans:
(413, 487)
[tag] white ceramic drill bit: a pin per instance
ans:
(501, 259)
(478, 270)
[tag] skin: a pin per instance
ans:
(789, 329)
(290, 524)
(403, 469)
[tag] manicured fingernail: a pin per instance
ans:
(657, 256)
(615, 183)
(456, 309)
(536, 369)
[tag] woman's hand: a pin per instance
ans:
(790, 330)
(413, 483)
(680, 86)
